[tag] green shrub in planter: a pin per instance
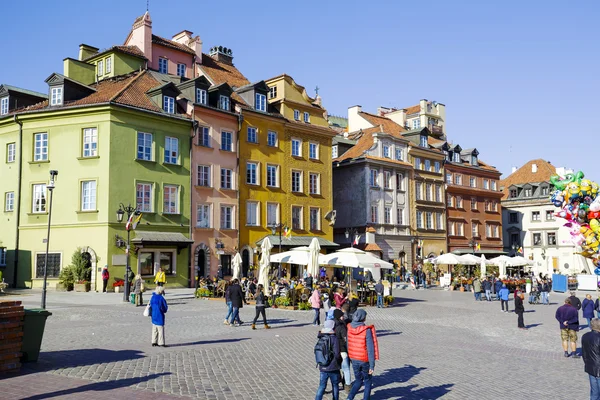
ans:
(304, 306)
(202, 292)
(282, 302)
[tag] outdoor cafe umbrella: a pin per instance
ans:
(518, 261)
(313, 259)
(469, 259)
(236, 262)
(501, 262)
(297, 255)
(356, 258)
(265, 263)
(483, 265)
(448, 259)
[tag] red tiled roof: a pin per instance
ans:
(131, 50)
(525, 175)
(220, 72)
(171, 44)
(389, 126)
(413, 110)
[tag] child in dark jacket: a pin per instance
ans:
(332, 371)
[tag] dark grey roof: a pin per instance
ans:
(341, 139)
(24, 91)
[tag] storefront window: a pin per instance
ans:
(226, 264)
(146, 263)
(166, 262)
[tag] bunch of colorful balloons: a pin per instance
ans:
(579, 204)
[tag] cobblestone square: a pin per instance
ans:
(433, 344)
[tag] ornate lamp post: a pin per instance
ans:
(472, 245)
(274, 229)
(50, 186)
(129, 210)
(350, 234)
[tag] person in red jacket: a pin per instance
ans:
(362, 351)
(105, 278)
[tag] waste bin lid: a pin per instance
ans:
(37, 311)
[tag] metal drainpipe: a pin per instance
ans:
(191, 229)
(19, 185)
(237, 150)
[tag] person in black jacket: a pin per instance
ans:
(260, 307)
(331, 371)
(236, 296)
(309, 282)
(341, 332)
(590, 346)
(575, 302)
(519, 310)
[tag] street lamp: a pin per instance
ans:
(50, 186)
(274, 229)
(130, 210)
(415, 240)
(350, 234)
(472, 245)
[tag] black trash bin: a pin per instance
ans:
(33, 332)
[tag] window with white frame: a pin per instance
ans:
(549, 215)
(429, 220)
(473, 181)
(494, 206)
(528, 192)
(474, 229)
(439, 221)
(41, 147)
(200, 96)
(387, 179)
(535, 216)
(272, 138)
(314, 183)
(297, 181)
(252, 173)
(315, 219)
(448, 178)
(90, 142)
(297, 219)
(9, 201)
(334, 151)
(451, 230)
(181, 70)
(108, 62)
(427, 165)
(171, 150)
(272, 214)
(204, 175)
(272, 175)
(417, 163)
(420, 219)
(272, 92)
(456, 157)
(387, 215)
(399, 154)
(387, 151)
(486, 205)
(419, 190)
(260, 102)
(297, 115)
(473, 203)
(226, 141)
(458, 179)
(252, 137)
(306, 117)
(224, 102)
(400, 216)
(460, 231)
(416, 123)
(204, 136)
(169, 104)
(495, 231)
(100, 67)
(551, 238)
(203, 216)
(399, 181)
(488, 230)
(88, 196)
(163, 65)
(437, 167)
(144, 197)
(227, 217)
(146, 263)
(374, 213)
(11, 152)
(449, 200)
(296, 147)
(56, 96)
(170, 199)
(459, 202)
(38, 197)
(144, 146)
(428, 192)
(374, 178)
(494, 186)
(4, 105)
(486, 184)
(252, 218)
(313, 150)
(226, 178)
(438, 193)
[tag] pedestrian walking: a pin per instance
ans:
(590, 348)
(588, 309)
(503, 295)
(138, 289)
(340, 298)
(568, 318)
(315, 303)
(105, 278)
(341, 332)
(158, 307)
(487, 286)
(230, 306)
(161, 278)
(363, 351)
(497, 287)
(477, 288)
(237, 301)
(575, 302)
(328, 357)
(261, 301)
(519, 310)
(379, 292)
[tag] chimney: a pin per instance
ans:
(398, 116)
(86, 51)
(222, 54)
(534, 168)
(355, 120)
(141, 36)
(514, 169)
(382, 111)
(185, 38)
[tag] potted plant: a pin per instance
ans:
(202, 293)
(82, 286)
(82, 271)
(66, 279)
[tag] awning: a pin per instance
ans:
(148, 238)
(478, 252)
(297, 241)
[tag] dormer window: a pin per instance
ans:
(224, 102)
(260, 102)
(423, 141)
(456, 157)
(56, 96)
(108, 65)
(447, 153)
(169, 104)
(272, 92)
(181, 70)
(474, 160)
(513, 193)
(100, 68)
(163, 65)
(528, 192)
(4, 105)
(416, 124)
(200, 96)
(387, 151)
(399, 155)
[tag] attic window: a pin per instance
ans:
(56, 96)
(260, 102)
(456, 157)
(474, 160)
(224, 103)
(513, 193)
(200, 96)
(416, 124)
(4, 106)
(181, 70)
(423, 141)
(169, 104)
(100, 67)
(272, 92)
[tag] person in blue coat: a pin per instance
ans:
(497, 287)
(503, 295)
(159, 308)
(588, 309)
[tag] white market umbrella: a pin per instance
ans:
(518, 261)
(483, 265)
(469, 259)
(355, 258)
(501, 262)
(448, 259)
(313, 260)
(236, 262)
(265, 263)
(297, 255)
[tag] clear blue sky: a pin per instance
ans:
(520, 75)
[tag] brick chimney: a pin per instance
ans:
(222, 54)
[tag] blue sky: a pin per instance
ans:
(519, 78)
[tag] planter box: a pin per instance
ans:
(62, 288)
(82, 287)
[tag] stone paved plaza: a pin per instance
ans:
(433, 344)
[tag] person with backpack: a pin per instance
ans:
(363, 351)
(328, 358)
(341, 331)
(261, 304)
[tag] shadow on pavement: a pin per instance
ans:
(51, 360)
(97, 386)
(387, 333)
(273, 321)
(208, 342)
(402, 375)
(532, 326)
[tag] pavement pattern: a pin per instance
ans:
(434, 344)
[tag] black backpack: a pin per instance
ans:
(324, 351)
